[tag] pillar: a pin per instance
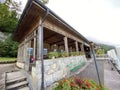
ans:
(40, 43)
(34, 44)
(66, 45)
(82, 48)
(76, 45)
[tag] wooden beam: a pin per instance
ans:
(69, 43)
(53, 35)
(61, 40)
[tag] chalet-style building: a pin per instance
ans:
(41, 31)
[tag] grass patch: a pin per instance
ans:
(7, 59)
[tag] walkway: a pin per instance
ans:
(111, 77)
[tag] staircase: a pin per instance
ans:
(16, 81)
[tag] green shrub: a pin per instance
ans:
(100, 52)
(77, 84)
(81, 53)
(63, 54)
(74, 53)
(53, 54)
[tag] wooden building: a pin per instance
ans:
(41, 31)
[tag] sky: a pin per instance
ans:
(97, 20)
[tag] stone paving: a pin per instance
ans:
(111, 77)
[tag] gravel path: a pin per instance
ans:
(111, 77)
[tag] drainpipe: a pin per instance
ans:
(40, 47)
(92, 50)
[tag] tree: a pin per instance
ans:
(8, 16)
(8, 48)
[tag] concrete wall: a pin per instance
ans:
(55, 69)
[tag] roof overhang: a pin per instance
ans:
(30, 16)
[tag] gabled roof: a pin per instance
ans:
(27, 8)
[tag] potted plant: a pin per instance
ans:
(74, 53)
(53, 55)
(63, 54)
(81, 53)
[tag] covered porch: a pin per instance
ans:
(58, 36)
(39, 32)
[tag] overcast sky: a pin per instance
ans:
(95, 19)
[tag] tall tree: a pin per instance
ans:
(8, 16)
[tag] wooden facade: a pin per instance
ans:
(57, 35)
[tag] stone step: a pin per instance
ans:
(24, 88)
(15, 79)
(16, 85)
(13, 75)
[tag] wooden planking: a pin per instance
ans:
(13, 75)
(17, 85)
(15, 79)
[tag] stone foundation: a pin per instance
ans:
(56, 69)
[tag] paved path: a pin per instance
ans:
(6, 67)
(111, 78)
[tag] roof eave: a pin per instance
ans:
(51, 12)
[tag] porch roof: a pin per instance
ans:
(30, 17)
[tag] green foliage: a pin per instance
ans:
(8, 48)
(74, 53)
(7, 59)
(81, 53)
(8, 23)
(100, 51)
(77, 84)
(53, 54)
(106, 47)
(8, 19)
(63, 54)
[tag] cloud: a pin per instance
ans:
(96, 18)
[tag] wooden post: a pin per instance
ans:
(82, 48)
(34, 44)
(51, 50)
(66, 45)
(76, 44)
(40, 43)
(40, 53)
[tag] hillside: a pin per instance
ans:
(106, 47)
